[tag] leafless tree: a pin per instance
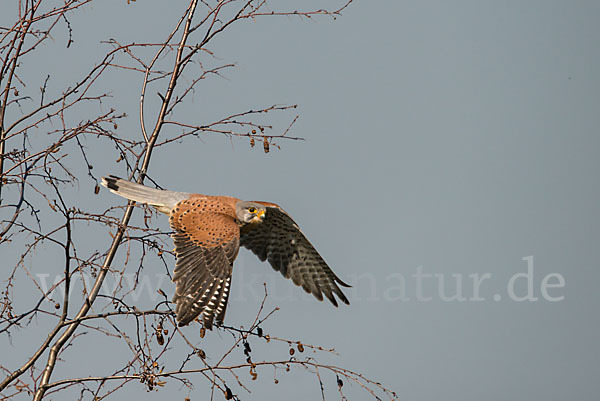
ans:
(49, 136)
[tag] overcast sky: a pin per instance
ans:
(446, 142)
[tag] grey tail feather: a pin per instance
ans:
(140, 193)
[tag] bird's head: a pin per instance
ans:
(250, 212)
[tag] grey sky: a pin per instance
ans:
(458, 137)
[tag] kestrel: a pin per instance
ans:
(209, 231)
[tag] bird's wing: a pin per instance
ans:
(206, 244)
(279, 240)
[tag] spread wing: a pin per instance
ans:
(279, 240)
(206, 244)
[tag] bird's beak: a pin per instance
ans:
(259, 217)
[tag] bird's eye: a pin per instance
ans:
(252, 210)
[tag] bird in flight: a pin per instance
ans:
(208, 232)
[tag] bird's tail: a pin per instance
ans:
(162, 199)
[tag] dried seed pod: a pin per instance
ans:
(266, 145)
(97, 189)
(259, 331)
(247, 348)
(300, 347)
(202, 332)
(166, 331)
(292, 351)
(340, 383)
(276, 381)
(228, 393)
(57, 306)
(159, 338)
(201, 354)
(252, 142)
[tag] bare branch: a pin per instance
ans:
(51, 135)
